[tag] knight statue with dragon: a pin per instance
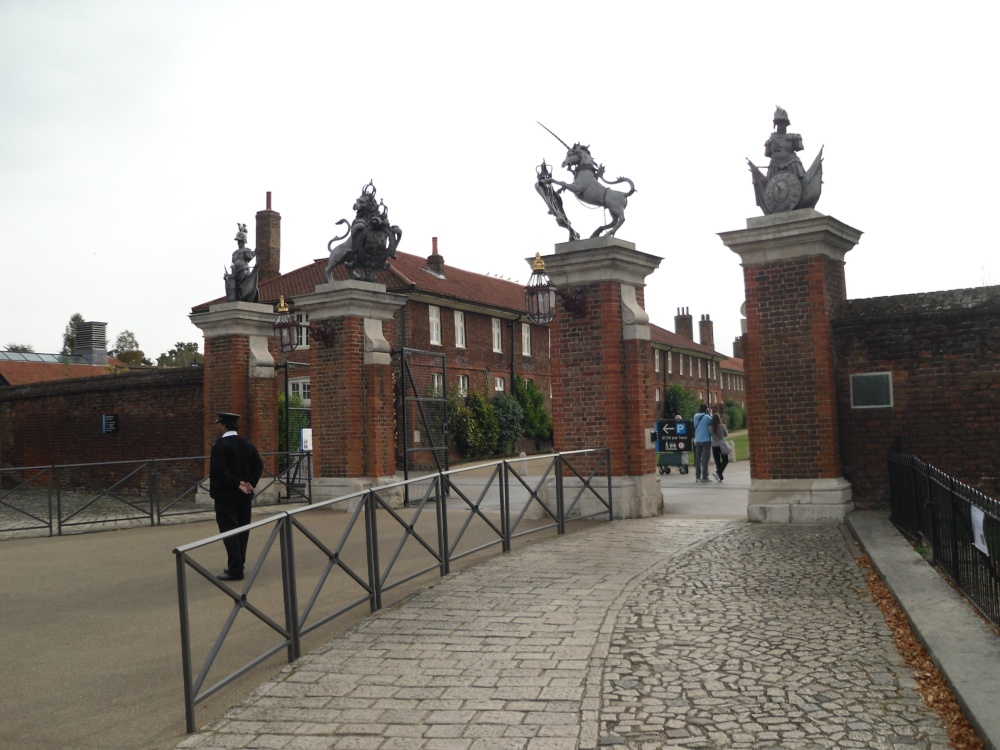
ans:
(241, 280)
(369, 242)
(589, 186)
(787, 185)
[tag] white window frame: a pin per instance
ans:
(680, 359)
(670, 363)
(302, 332)
(699, 368)
(526, 339)
(463, 385)
(497, 336)
(498, 384)
(434, 324)
(301, 387)
(656, 363)
(437, 383)
(657, 397)
(459, 329)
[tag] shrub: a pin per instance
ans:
(476, 427)
(510, 421)
(734, 414)
(537, 421)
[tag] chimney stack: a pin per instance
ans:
(268, 243)
(683, 323)
(435, 263)
(91, 342)
(738, 347)
(706, 332)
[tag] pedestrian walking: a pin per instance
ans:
(234, 470)
(702, 443)
(720, 449)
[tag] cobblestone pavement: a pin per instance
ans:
(663, 633)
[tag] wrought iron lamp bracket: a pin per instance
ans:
(322, 332)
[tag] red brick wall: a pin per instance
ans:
(478, 353)
(791, 381)
(943, 350)
(601, 384)
(159, 415)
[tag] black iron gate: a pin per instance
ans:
(423, 413)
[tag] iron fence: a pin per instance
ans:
(959, 524)
(337, 562)
(63, 498)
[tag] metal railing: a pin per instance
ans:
(60, 498)
(378, 544)
(959, 524)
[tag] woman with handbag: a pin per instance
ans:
(720, 448)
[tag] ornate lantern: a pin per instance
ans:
(539, 294)
(286, 330)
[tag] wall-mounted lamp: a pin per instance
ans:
(540, 296)
(286, 330)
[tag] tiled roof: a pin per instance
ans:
(407, 273)
(26, 373)
(663, 336)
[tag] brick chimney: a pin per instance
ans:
(738, 347)
(706, 332)
(435, 263)
(268, 243)
(90, 342)
(684, 324)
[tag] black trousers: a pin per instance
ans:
(721, 460)
(231, 514)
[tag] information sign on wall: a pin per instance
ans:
(109, 424)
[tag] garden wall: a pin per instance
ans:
(943, 352)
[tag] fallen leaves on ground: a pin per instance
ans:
(931, 685)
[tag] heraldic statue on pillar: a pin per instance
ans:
(786, 186)
(369, 242)
(241, 280)
(589, 186)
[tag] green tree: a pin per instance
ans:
(510, 422)
(184, 354)
(679, 400)
(69, 335)
(537, 421)
(476, 427)
(20, 348)
(127, 350)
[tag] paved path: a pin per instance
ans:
(667, 632)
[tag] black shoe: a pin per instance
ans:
(229, 576)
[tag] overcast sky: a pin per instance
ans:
(134, 136)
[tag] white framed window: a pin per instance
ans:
(656, 363)
(497, 335)
(463, 385)
(434, 314)
(657, 398)
(680, 358)
(302, 332)
(670, 363)
(459, 329)
(437, 383)
(300, 388)
(498, 385)
(699, 368)
(526, 339)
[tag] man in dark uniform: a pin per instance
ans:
(234, 471)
